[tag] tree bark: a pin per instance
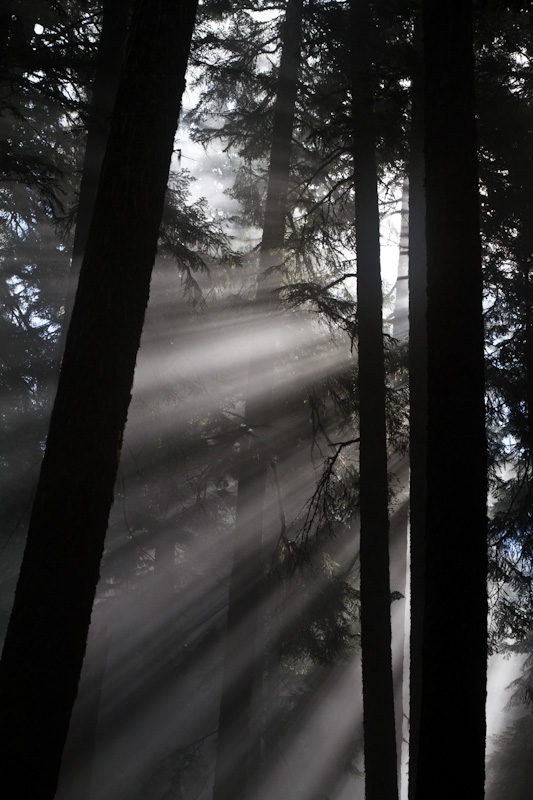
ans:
(378, 695)
(47, 633)
(104, 90)
(455, 612)
(528, 360)
(238, 740)
(417, 400)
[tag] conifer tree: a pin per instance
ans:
(378, 694)
(455, 587)
(46, 638)
(115, 17)
(238, 741)
(417, 396)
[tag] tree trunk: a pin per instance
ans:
(110, 55)
(238, 739)
(455, 613)
(47, 633)
(417, 403)
(378, 696)
(528, 361)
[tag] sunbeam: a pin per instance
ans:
(250, 422)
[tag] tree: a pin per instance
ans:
(238, 738)
(199, 444)
(42, 71)
(455, 588)
(417, 395)
(107, 72)
(378, 692)
(45, 643)
(505, 127)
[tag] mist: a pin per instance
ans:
(225, 652)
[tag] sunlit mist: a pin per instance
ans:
(225, 640)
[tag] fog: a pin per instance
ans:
(225, 633)
(145, 725)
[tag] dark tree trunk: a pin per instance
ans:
(378, 696)
(284, 111)
(417, 402)
(109, 60)
(528, 362)
(47, 633)
(238, 740)
(455, 613)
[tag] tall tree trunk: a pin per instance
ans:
(47, 633)
(528, 361)
(107, 73)
(417, 401)
(455, 613)
(378, 696)
(238, 742)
